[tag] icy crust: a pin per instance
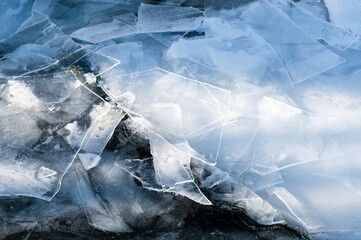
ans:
(345, 14)
(251, 104)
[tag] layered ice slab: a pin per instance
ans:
(36, 114)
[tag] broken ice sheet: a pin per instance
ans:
(165, 18)
(25, 52)
(47, 50)
(302, 56)
(239, 51)
(71, 16)
(167, 171)
(317, 28)
(12, 15)
(33, 111)
(201, 111)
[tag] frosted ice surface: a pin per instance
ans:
(302, 56)
(233, 55)
(30, 120)
(316, 27)
(345, 14)
(315, 7)
(237, 137)
(332, 181)
(163, 18)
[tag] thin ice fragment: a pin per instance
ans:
(119, 26)
(98, 136)
(163, 18)
(45, 173)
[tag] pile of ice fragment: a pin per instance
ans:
(251, 104)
